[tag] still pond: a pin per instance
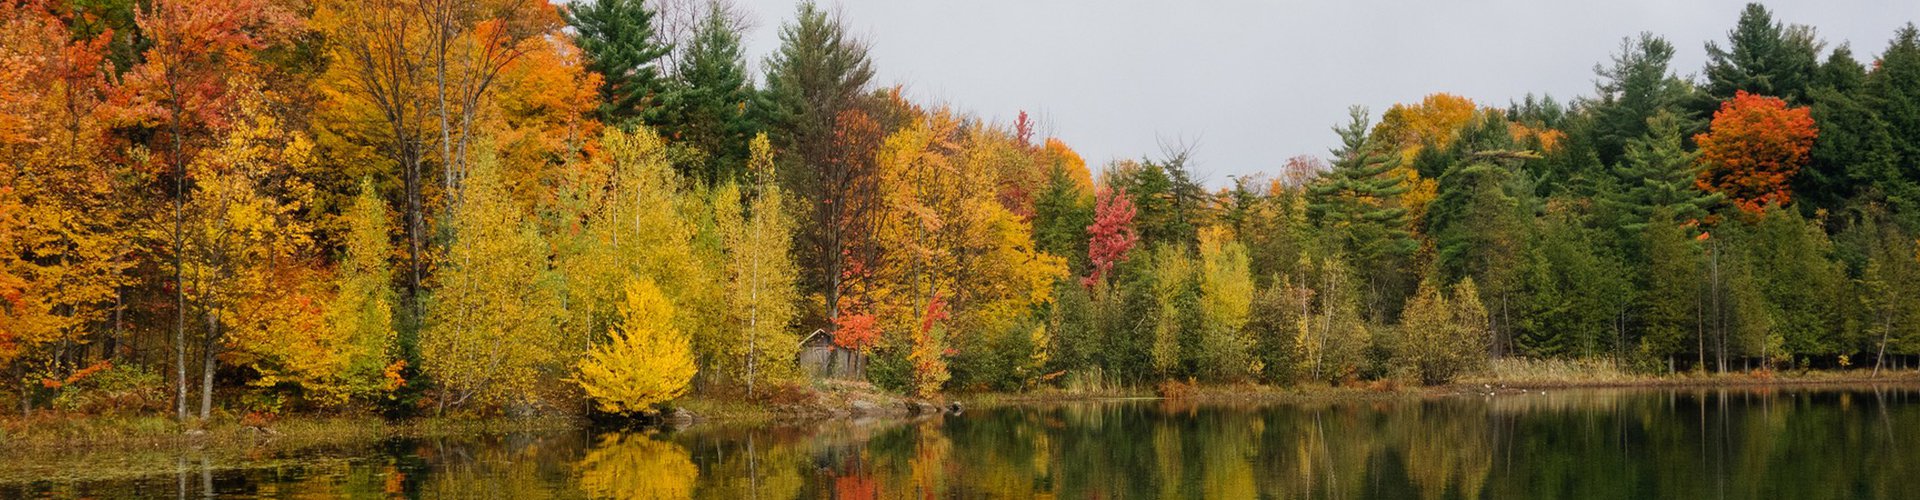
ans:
(1650, 443)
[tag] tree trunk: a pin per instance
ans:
(1886, 326)
(207, 366)
(179, 284)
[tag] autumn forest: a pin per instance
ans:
(214, 208)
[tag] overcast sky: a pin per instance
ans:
(1248, 83)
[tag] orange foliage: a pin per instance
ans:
(1549, 138)
(1435, 121)
(1754, 148)
(196, 47)
(1056, 154)
(856, 331)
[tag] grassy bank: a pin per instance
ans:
(52, 431)
(1499, 376)
(1547, 374)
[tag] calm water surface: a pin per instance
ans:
(1693, 444)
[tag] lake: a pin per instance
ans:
(1648, 443)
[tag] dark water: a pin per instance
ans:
(1693, 444)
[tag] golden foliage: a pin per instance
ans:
(645, 362)
(626, 466)
(490, 331)
(756, 235)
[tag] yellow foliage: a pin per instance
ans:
(1056, 153)
(947, 231)
(645, 362)
(491, 329)
(626, 466)
(756, 235)
(1433, 122)
(361, 313)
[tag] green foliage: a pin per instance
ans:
(1793, 271)
(1762, 57)
(1893, 92)
(1636, 88)
(1586, 293)
(617, 37)
(818, 71)
(1657, 173)
(1669, 304)
(1354, 205)
(712, 106)
(1173, 295)
(1169, 202)
(1061, 214)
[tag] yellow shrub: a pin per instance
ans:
(645, 361)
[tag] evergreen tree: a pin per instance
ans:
(1061, 214)
(1353, 202)
(1854, 153)
(1792, 268)
(1658, 173)
(1169, 202)
(1893, 92)
(617, 37)
(1480, 232)
(816, 81)
(1579, 310)
(1669, 305)
(818, 71)
(1762, 57)
(713, 106)
(1888, 289)
(1637, 87)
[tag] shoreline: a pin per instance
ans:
(831, 401)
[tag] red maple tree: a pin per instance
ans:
(1754, 148)
(1111, 233)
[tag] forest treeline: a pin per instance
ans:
(254, 206)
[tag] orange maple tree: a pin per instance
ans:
(1754, 148)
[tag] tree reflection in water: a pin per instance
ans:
(1686, 443)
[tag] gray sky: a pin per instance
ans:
(1248, 83)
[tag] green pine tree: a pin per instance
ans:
(1355, 203)
(712, 108)
(617, 38)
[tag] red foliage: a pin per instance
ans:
(1023, 130)
(936, 312)
(1112, 234)
(1753, 150)
(856, 331)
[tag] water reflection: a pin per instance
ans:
(1717, 443)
